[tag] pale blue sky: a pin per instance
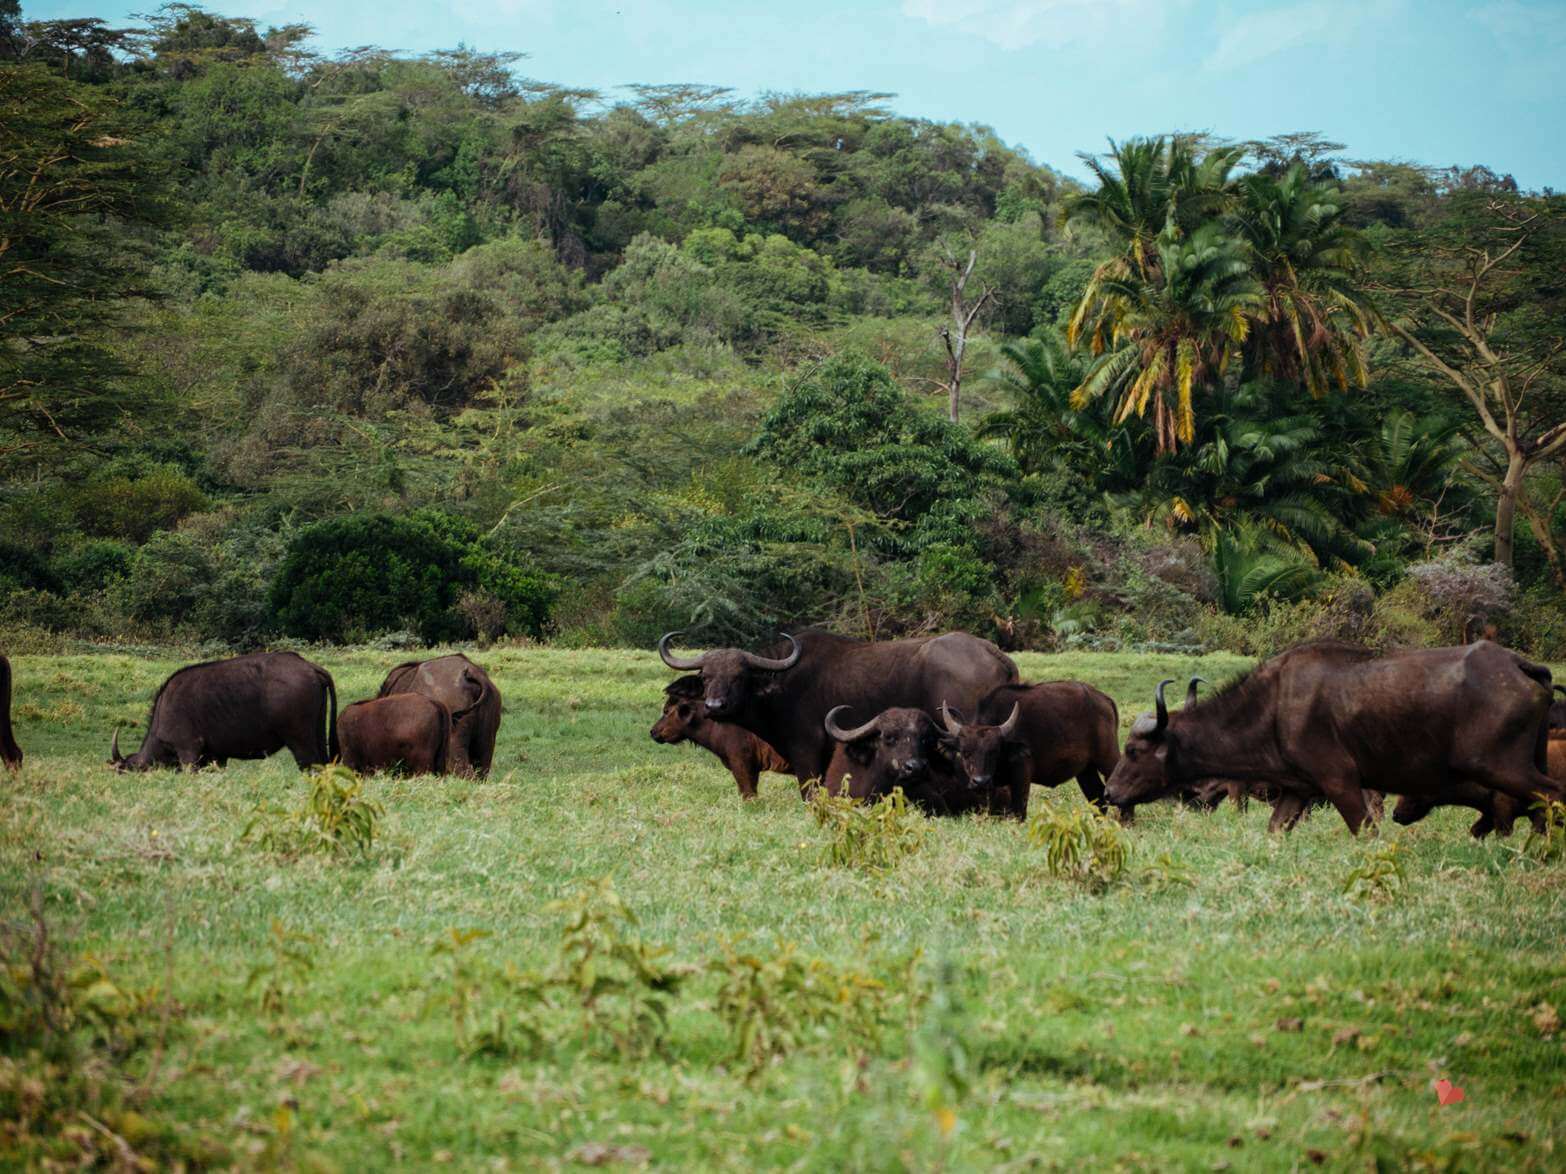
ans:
(1433, 81)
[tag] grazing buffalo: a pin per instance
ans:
(685, 720)
(246, 707)
(904, 748)
(10, 752)
(1039, 735)
(406, 731)
(1327, 719)
(466, 690)
(783, 698)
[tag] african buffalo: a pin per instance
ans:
(904, 748)
(406, 730)
(783, 698)
(1328, 718)
(684, 720)
(245, 707)
(10, 752)
(1039, 735)
(466, 690)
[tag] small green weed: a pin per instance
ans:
(336, 818)
(283, 977)
(872, 836)
(1379, 875)
(775, 1003)
(1080, 845)
(1547, 843)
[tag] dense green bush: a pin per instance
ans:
(355, 576)
(134, 507)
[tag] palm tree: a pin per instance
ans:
(1249, 566)
(1150, 186)
(1261, 466)
(1163, 330)
(1313, 321)
(1042, 429)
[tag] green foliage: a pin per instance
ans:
(280, 980)
(378, 573)
(1080, 845)
(1379, 876)
(773, 1004)
(335, 819)
(1547, 842)
(869, 836)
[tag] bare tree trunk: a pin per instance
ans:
(956, 335)
(1506, 497)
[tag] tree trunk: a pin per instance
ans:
(1506, 505)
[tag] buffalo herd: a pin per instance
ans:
(948, 721)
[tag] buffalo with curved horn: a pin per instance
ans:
(1038, 735)
(783, 694)
(1324, 721)
(900, 747)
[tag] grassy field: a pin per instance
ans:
(1225, 1005)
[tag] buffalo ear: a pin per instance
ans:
(684, 688)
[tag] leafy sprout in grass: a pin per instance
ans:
(1547, 842)
(1379, 875)
(873, 836)
(1080, 845)
(335, 819)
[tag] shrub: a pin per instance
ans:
(871, 836)
(93, 564)
(775, 1003)
(369, 573)
(1080, 844)
(1458, 591)
(335, 819)
(135, 507)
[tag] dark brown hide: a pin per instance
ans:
(684, 720)
(245, 707)
(467, 691)
(10, 752)
(786, 706)
(1063, 730)
(1329, 719)
(406, 731)
(904, 748)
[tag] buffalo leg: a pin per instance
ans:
(1092, 788)
(1349, 798)
(1286, 812)
(745, 772)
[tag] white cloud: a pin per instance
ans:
(1019, 24)
(1256, 36)
(1523, 26)
(1252, 37)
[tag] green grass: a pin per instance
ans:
(1255, 1016)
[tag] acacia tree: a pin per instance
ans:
(71, 179)
(1474, 304)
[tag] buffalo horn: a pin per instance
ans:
(1009, 726)
(673, 661)
(842, 735)
(1190, 691)
(1163, 706)
(949, 719)
(114, 747)
(772, 666)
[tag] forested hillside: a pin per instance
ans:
(360, 345)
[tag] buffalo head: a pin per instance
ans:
(1145, 771)
(984, 752)
(729, 676)
(896, 748)
(682, 711)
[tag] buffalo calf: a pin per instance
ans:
(466, 690)
(684, 720)
(405, 731)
